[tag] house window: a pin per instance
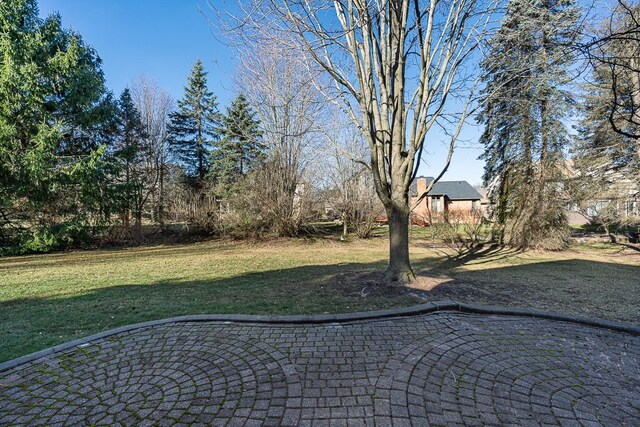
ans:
(474, 205)
(598, 208)
(435, 204)
(632, 207)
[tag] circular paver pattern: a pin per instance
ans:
(436, 369)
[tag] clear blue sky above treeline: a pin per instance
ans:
(161, 39)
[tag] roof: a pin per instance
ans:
(454, 190)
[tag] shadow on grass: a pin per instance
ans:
(486, 253)
(593, 288)
(634, 247)
(110, 255)
(31, 324)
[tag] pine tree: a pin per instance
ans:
(607, 162)
(55, 119)
(241, 148)
(525, 103)
(131, 131)
(194, 127)
(127, 150)
(599, 148)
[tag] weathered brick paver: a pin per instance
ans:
(436, 369)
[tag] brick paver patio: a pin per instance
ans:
(438, 369)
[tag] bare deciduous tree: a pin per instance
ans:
(617, 48)
(345, 177)
(154, 105)
(283, 91)
(395, 64)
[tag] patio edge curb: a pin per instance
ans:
(426, 308)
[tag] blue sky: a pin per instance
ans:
(161, 39)
(157, 38)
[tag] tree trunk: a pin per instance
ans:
(137, 227)
(502, 208)
(139, 206)
(127, 208)
(399, 269)
(345, 225)
(160, 217)
(635, 98)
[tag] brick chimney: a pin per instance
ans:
(421, 183)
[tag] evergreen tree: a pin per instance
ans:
(130, 129)
(55, 118)
(194, 127)
(599, 149)
(241, 147)
(525, 103)
(607, 162)
(128, 150)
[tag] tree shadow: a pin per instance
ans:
(33, 323)
(486, 253)
(600, 289)
(107, 255)
(630, 246)
(591, 288)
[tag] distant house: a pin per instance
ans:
(443, 197)
(620, 196)
(620, 202)
(485, 202)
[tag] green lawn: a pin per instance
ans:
(49, 299)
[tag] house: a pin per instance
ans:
(618, 197)
(618, 204)
(485, 201)
(444, 197)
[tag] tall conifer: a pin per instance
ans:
(241, 147)
(128, 150)
(56, 117)
(525, 104)
(607, 162)
(194, 127)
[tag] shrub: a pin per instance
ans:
(264, 203)
(61, 236)
(461, 230)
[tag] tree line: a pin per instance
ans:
(82, 167)
(338, 107)
(536, 169)
(75, 161)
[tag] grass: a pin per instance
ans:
(598, 280)
(50, 299)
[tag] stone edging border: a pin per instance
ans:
(426, 308)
